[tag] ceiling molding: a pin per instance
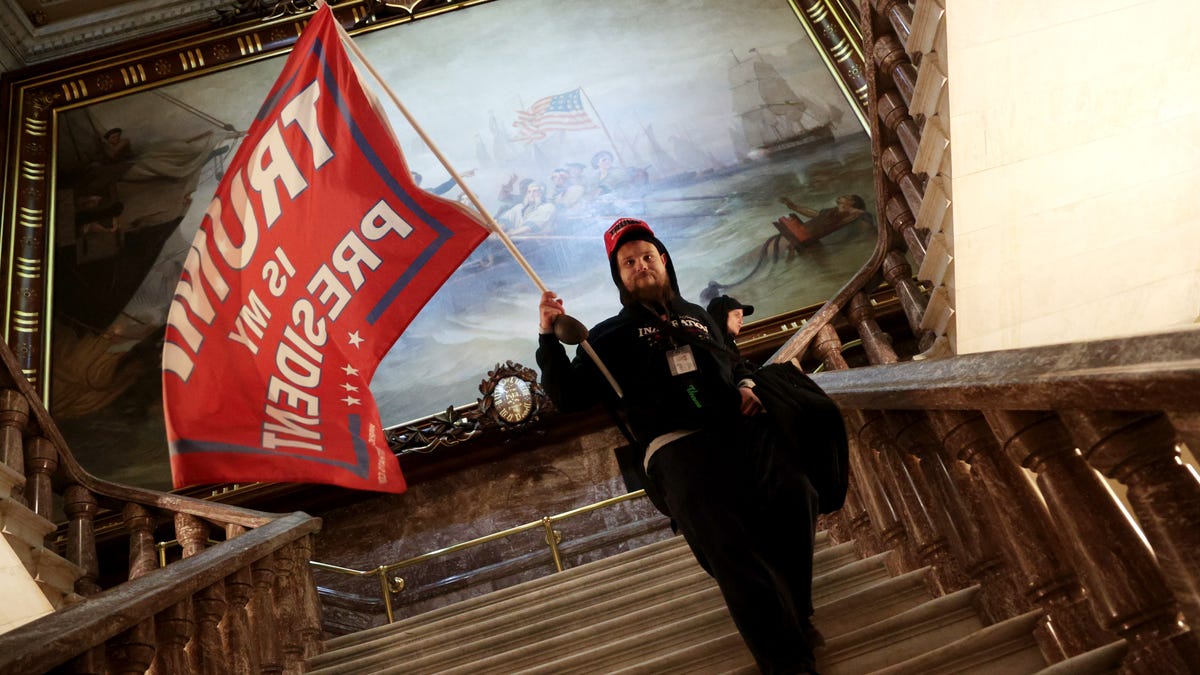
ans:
(23, 44)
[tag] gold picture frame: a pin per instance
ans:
(50, 206)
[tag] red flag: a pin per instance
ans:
(314, 255)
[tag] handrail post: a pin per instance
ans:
(552, 540)
(386, 589)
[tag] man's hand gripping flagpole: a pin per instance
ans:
(568, 329)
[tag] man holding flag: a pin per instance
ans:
(713, 462)
(315, 253)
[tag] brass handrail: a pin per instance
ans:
(553, 539)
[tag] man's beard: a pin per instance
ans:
(655, 297)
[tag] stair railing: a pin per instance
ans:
(940, 454)
(942, 449)
(390, 585)
(247, 603)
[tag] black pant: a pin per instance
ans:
(749, 515)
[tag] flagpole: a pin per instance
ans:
(495, 227)
(603, 126)
(492, 224)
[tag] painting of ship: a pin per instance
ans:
(775, 120)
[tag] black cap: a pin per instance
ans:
(723, 305)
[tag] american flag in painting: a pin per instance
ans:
(562, 112)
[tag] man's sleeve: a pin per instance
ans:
(570, 385)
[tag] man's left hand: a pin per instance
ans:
(750, 403)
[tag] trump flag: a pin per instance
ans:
(315, 253)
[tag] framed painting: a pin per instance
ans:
(723, 125)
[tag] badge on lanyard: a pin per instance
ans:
(681, 360)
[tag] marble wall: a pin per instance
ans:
(1076, 127)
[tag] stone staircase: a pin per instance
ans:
(36, 580)
(653, 610)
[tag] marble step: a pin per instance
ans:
(505, 630)
(906, 635)
(11, 480)
(849, 578)
(23, 599)
(1099, 661)
(588, 579)
(25, 532)
(652, 556)
(22, 527)
(831, 557)
(56, 577)
(726, 654)
(674, 630)
(874, 602)
(655, 608)
(617, 643)
(1000, 649)
(593, 572)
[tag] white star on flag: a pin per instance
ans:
(349, 387)
(350, 400)
(350, 370)
(355, 340)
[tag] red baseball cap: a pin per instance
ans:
(625, 228)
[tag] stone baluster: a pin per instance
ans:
(1123, 583)
(208, 604)
(80, 506)
(876, 343)
(899, 14)
(892, 62)
(1187, 426)
(263, 623)
(175, 626)
(1032, 549)
(133, 651)
(899, 274)
(894, 116)
(857, 517)
(310, 603)
(236, 634)
(903, 222)
(14, 415)
(911, 494)
(288, 610)
(963, 517)
(41, 463)
(890, 534)
(827, 346)
(1138, 449)
(191, 533)
(140, 525)
(936, 530)
(899, 171)
(838, 524)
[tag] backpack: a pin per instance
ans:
(810, 425)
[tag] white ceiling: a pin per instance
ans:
(36, 31)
